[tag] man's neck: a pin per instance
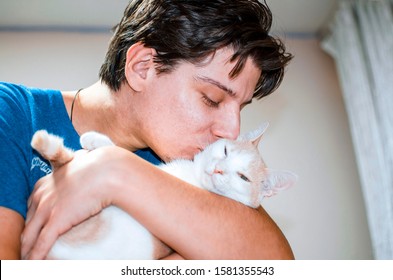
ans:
(97, 108)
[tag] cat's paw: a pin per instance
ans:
(92, 140)
(40, 139)
(46, 144)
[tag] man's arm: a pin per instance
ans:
(196, 223)
(11, 227)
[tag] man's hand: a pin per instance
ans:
(59, 201)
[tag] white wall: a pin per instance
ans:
(65, 61)
(323, 216)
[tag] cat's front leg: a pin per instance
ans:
(52, 148)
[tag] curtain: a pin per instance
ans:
(360, 40)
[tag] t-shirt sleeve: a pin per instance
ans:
(15, 128)
(148, 155)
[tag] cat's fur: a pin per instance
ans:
(233, 169)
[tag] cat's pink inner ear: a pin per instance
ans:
(256, 141)
(280, 180)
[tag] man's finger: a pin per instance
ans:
(35, 198)
(35, 219)
(45, 241)
(30, 234)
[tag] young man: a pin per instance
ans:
(176, 75)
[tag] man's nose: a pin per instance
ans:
(228, 125)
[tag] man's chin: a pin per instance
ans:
(188, 155)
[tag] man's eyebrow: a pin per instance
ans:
(217, 84)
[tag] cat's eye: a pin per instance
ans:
(243, 177)
(225, 151)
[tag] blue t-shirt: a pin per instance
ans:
(23, 111)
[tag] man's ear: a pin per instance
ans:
(139, 61)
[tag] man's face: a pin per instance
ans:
(193, 106)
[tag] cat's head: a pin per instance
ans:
(235, 168)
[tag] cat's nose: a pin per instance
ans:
(218, 171)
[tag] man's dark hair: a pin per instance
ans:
(191, 30)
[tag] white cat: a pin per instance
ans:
(230, 168)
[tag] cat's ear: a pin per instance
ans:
(255, 136)
(276, 181)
